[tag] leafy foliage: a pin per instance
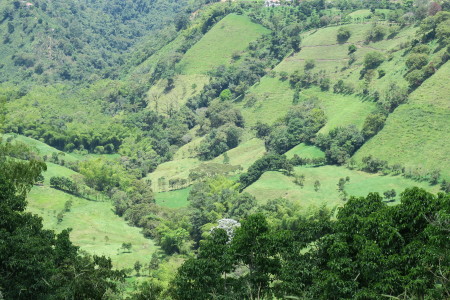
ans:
(369, 250)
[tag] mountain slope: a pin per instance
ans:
(416, 135)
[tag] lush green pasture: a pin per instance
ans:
(417, 133)
(173, 199)
(161, 99)
(305, 151)
(275, 99)
(42, 148)
(274, 185)
(245, 154)
(231, 35)
(95, 227)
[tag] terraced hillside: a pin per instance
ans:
(416, 135)
(331, 58)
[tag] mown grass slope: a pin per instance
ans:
(274, 185)
(95, 227)
(416, 135)
(231, 35)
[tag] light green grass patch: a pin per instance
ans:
(56, 170)
(91, 223)
(185, 86)
(41, 148)
(274, 185)
(173, 199)
(173, 169)
(362, 13)
(232, 34)
(305, 151)
(274, 97)
(416, 134)
(341, 110)
(245, 154)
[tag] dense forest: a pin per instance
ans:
(224, 150)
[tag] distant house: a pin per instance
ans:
(272, 3)
(29, 4)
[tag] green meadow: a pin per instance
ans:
(231, 35)
(273, 185)
(95, 226)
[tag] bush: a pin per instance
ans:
(219, 141)
(352, 49)
(376, 33)
(416, 61)
(310, 64)
(343, 34)
(420, 49)
(415, 78)
(325, 84)
(373, 59)
(269, 162)
(343, 88)
(340, 143)
(372, 125)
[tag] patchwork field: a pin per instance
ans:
(274, 185)
(231, 35)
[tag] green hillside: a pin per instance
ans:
(273, 185)
(144, 126)
(229, 36)
(416, 135)
(95, 227)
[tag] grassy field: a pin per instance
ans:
(417, 133)
(231, 35)
(173, 199)
(305, 151)
(275, 99)
(41, 148)
(274, 185)
(161, 100)
(95, 227)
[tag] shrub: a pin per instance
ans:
(310, 64)
(352, 48)
(420, 49)
(373, 124)
(343, 88)
(343, 34)
(373, 59)
(376, 33)
(340, 143)
(325, 84)
(416, 61)
(415, 78)
(283, 75)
